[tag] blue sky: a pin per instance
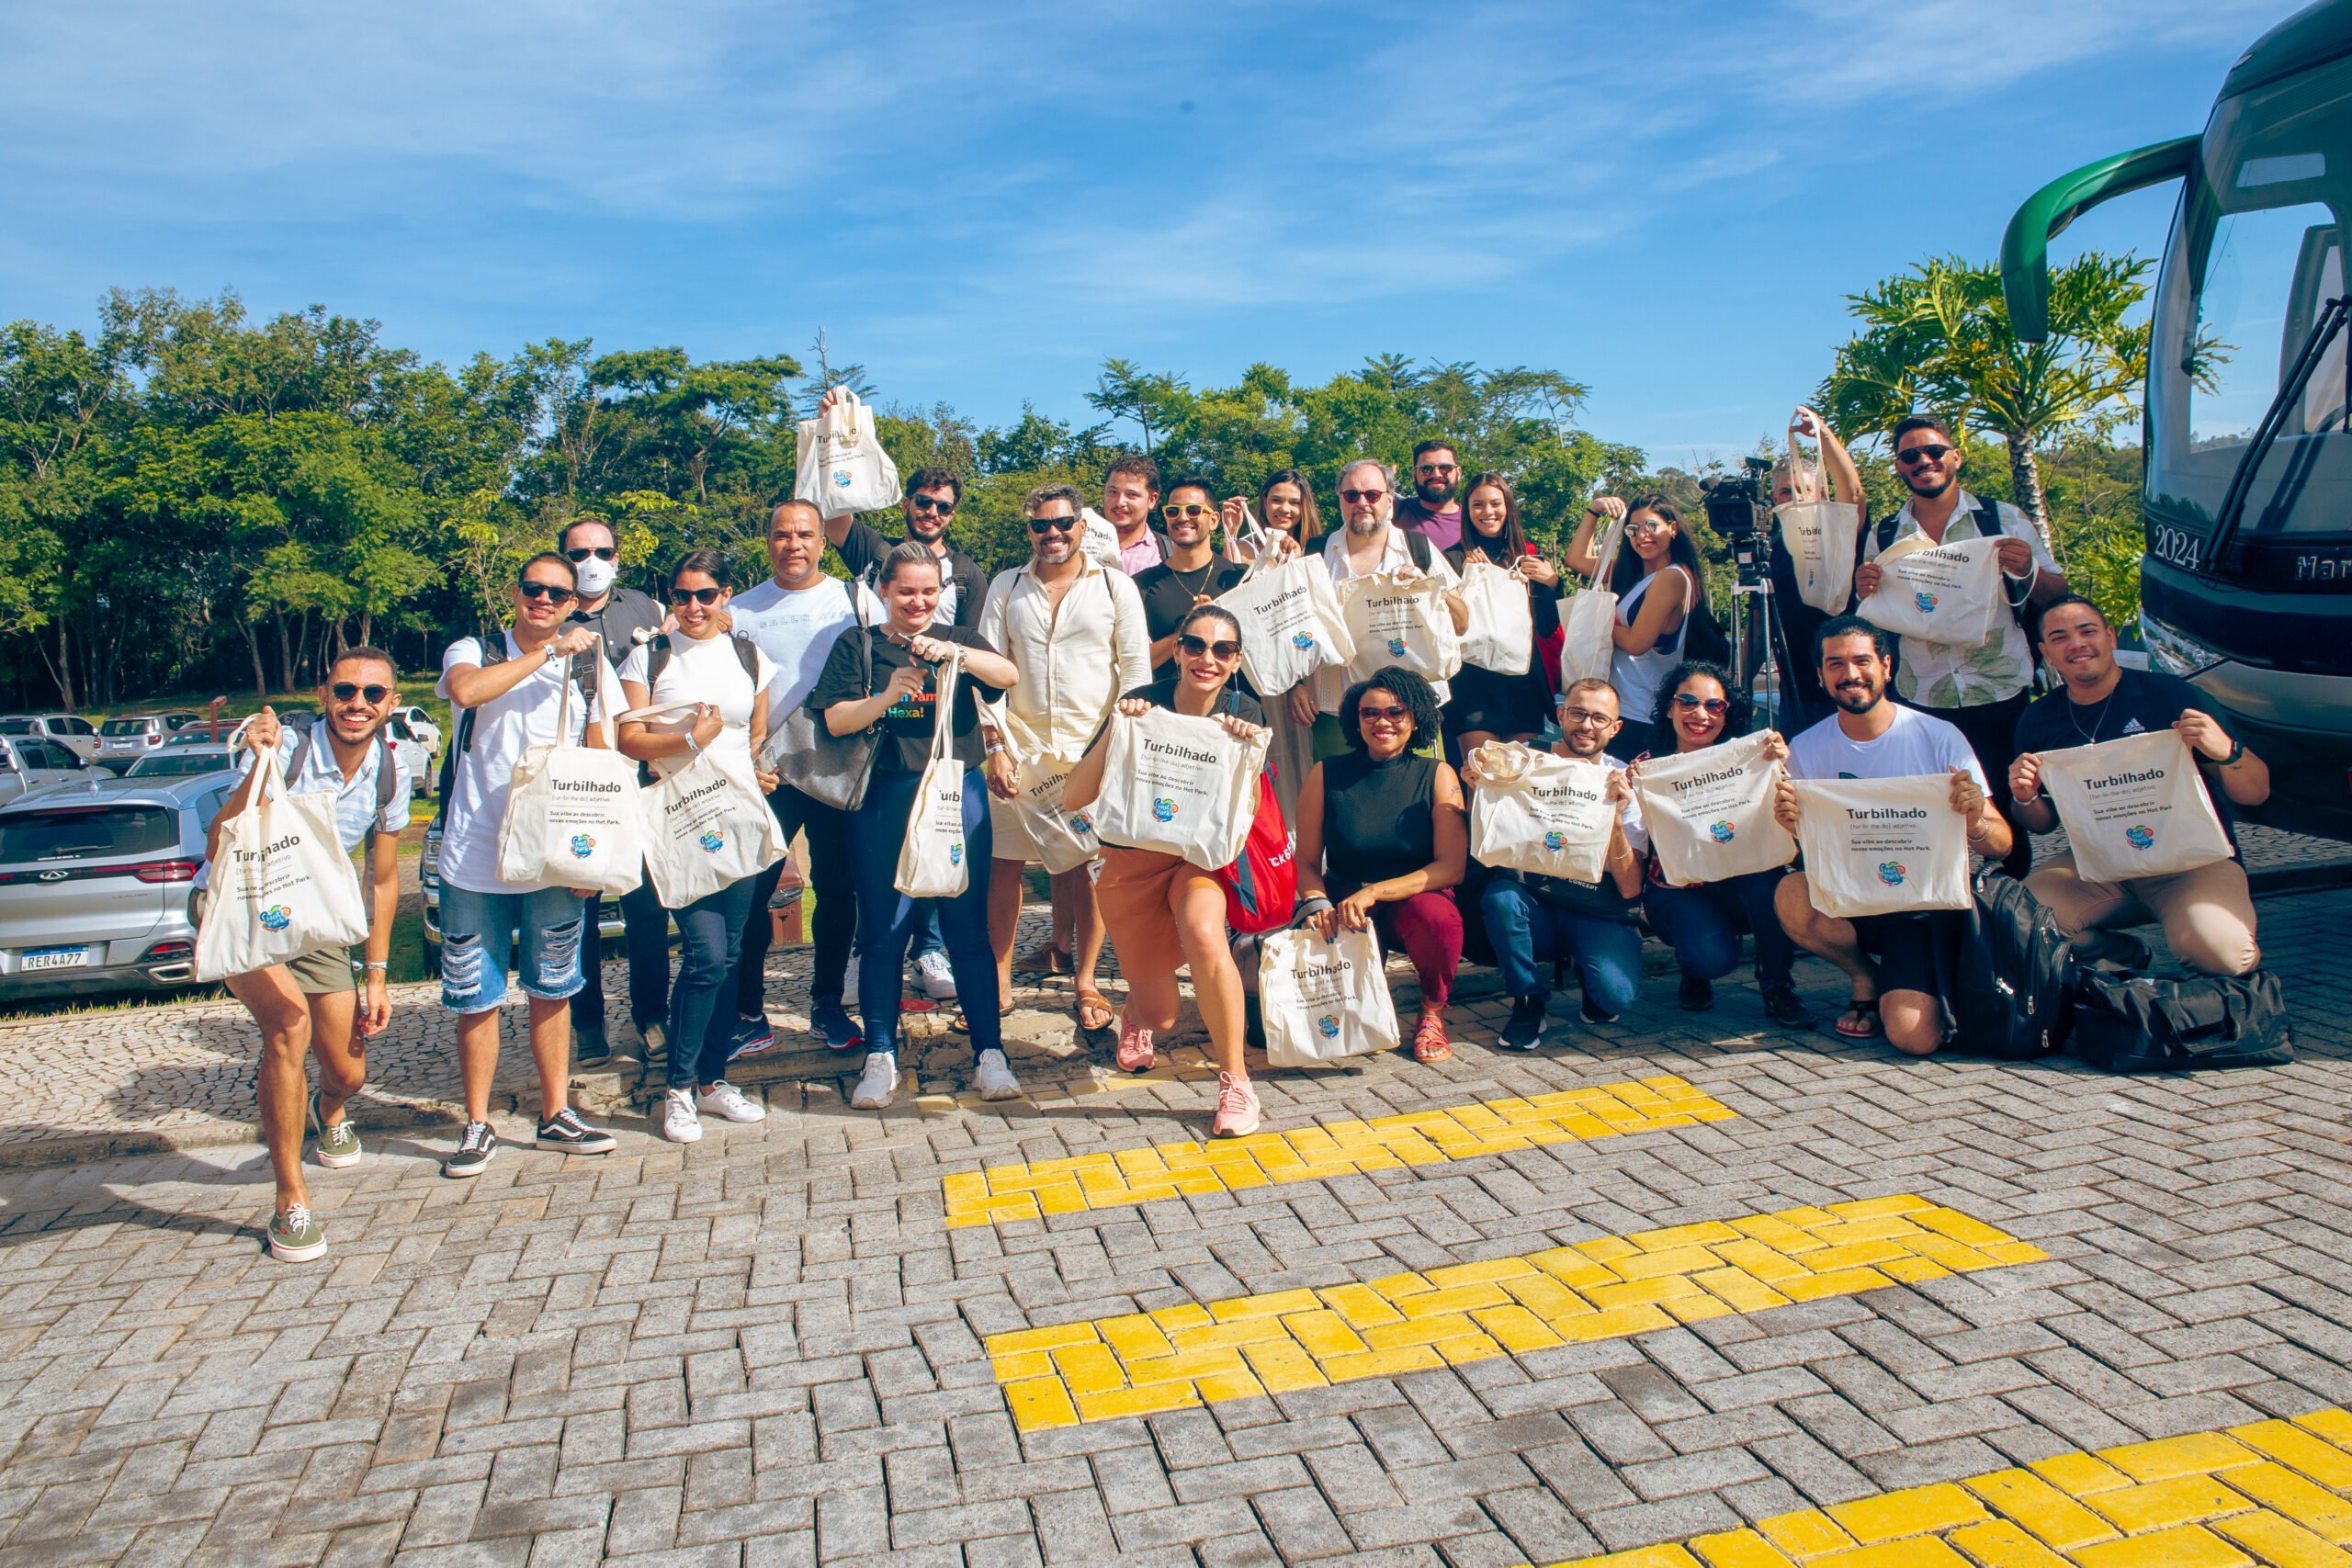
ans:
(980, 203)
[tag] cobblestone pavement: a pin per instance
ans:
(1679, 1288)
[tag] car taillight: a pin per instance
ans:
(169, 953)
(165, 871)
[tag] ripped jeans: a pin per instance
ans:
(477, 940)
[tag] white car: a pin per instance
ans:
(419, 724)
(28, 764)
(77, 734)
(411, 748)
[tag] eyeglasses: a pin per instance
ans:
(344, 691)
(1367, 714)
(1052, 525)
(1577, 719)
(1926, 452)
(1175, 510)
(553, 592)
(1193, 647)
(1716, 707)
(602, 552)
(1352, 496)
(931, 503)
(698, 595)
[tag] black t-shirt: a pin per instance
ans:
(907, 723)
(1168, 595)
(962, 583)
(2143, 701)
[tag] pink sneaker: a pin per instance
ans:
(1134, 1055)
(1237, 1108)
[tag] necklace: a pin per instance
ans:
(2089, 736)
(1197, 576)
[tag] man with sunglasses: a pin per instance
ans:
(1368, 542)
(932, 496)
(1192, 575)
(621, 617)
(505, 704)
(1433, 511)
(1983, 690)
(1074, 628)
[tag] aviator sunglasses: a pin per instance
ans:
(1926, 452)
(344, 691)
(602, 552)
(1716, 707)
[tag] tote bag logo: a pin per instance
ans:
(2138, 836)
(1163, 809)
(714, 841)
(1555, 841)
(276, 917)
(1301, 641)
(840, 478)
(1721, 833)
(1926, 600)
(583, 846)
(1327, 1026)
(1080, 823)
(1397, 646)
(956, 853)
(1892, 872)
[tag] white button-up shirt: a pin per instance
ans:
(1331, 680)
(1075, 659)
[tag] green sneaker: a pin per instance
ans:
(295, 1236)
(338, 1145)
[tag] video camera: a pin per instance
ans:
(1739, 509)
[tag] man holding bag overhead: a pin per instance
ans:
(2207, 913)
(1895, 962)
(509, 692)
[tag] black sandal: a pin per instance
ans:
(1864, 1008)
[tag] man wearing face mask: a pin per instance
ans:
(1433, 511)
(618, 616)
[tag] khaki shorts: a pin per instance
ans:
(319, 971)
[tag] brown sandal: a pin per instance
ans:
(1090, 999)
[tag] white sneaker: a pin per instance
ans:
(992, 1076)
(679, 1123)
(849, 979)
(723, 1099)
(879, 1082)
(938, 980)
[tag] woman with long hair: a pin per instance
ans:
(1287, 508)
(1485, 705)
(1383, 840)
(1699, 706)
(1163, 910)
(1661, 589)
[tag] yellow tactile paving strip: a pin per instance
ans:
(1618, 1285)
(1306, 1153)
(2274, 1492)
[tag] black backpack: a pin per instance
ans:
(2138, 1023)
(657, 654)
(2008, 989)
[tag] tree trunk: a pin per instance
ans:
(2025, 479)
(64, 667)
(253, 646)
(285, 654)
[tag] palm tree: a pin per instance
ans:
(1938, 337)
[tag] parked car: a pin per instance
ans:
(77, 734)
(95, 879)
(416, 751)
(200, 734)
(178, 762)
(125, 739)
(175, 722)
(26, 765)
(420, 724)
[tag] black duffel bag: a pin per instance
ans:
(2006, 984)
(2133, 1023)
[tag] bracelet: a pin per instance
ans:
(692, 745)
(1982, 830)
(375, 964)
(992, 748)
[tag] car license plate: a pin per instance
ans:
(54, 958)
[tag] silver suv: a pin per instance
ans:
(70, 731)
(95, 880)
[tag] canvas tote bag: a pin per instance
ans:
(1180, 785)
(573, 817)
(1065, 839)
(2134, 807)
(1710, 813)
(1502, 624)
(1400, 618)
(1537, 813)
(282, 885)
(1883, 846)
(842, 467)
(1291, 624)
(1947, 593)
(931, 864)
(1820, 537)
(706, 825)
(1588, 619)
(1323, 1000)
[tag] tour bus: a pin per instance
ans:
(2246, 587)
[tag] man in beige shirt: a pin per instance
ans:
(1075, 630)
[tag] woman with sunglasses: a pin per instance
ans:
(1484, 705)
(725, 678)
(1661, 599)
(887, 678)
(1162, 909)
(1698, 706)
(1286, 510)
(1382, 842)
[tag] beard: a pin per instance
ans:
(1930, 491)
(1368, 526)
(1434, 494)
(1853, 701)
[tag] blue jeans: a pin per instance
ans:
(1701, 924)
(710, 933)
(1527, 932)
(887, 918)
(478, 932)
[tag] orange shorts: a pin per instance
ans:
(1137, 894)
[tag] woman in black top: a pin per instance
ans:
(1160, 909)
(1383, 832)
(1484, 705)
(903, 702)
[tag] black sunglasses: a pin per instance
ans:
(929, 503)
(1193, 647)
(1716, 707)
(1052, 525)
(344, 691)
(551, 591)
(602, 552)
(1926, 452)
(699, 596)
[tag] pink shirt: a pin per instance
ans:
(1142, 555)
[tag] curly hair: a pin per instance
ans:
(1735, 710)
(1407, 688)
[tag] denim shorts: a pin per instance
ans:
(477, 939)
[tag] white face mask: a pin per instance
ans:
(597, 576)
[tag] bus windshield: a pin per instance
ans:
(2257, 250)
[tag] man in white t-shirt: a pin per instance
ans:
(1895, 962)
(795, 618)
(1367, 542)
(510, 703)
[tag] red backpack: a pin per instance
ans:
(1262, 887)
